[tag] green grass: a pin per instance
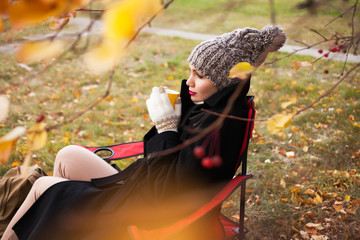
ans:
(323, 138)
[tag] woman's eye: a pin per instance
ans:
(199, 75)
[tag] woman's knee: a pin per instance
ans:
(43, 183)
(67, 153)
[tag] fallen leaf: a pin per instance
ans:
(337, 208)
(337, 182)
(304, 234)
(296, 188)
(303, 200)
(235, 217)
(15, 164)
(313, 225)
(351, 118)
(319, 237)
(298, 64)
(309, 192)
(228, 204)
(290, 154)
(339, 110)
(318, 199)
(282, 183)
(305, 148)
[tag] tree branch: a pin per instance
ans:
(342, 14)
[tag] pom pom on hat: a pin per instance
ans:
(215, 57)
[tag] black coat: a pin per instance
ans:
(153, 191)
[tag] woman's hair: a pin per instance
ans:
(215, 57)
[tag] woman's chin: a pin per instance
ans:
(194, 98)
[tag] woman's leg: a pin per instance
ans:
(77, 163)
(37, 189)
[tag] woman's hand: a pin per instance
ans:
(161, 112)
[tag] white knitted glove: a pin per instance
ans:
(161, 112)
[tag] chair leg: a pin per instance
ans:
(242, 211)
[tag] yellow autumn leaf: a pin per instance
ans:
(241, 70)
(318, 199)
(36, 51)
(278, 122)
(7, 143)
(122, 18)
(121, 21)
(36, 136)
(23, 13)
(296, 188)
(309, 192)
(282, 183)
(4, 107)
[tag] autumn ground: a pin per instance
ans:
(306, 177)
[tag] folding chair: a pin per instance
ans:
(232, 229)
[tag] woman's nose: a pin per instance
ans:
(190, 81)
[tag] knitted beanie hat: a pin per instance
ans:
(215, 57)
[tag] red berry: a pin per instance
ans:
(326, 54)
(199, 152)
(340, 46)
(216, 161)
(206, 162)
(326, 71)
(320, 51)
(40, 118)
(344, 51)
(334, 49)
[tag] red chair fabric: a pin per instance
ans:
(120, 151)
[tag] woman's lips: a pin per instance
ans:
(192, 93)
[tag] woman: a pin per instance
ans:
(88, 199)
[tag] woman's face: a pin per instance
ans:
(200, 87)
